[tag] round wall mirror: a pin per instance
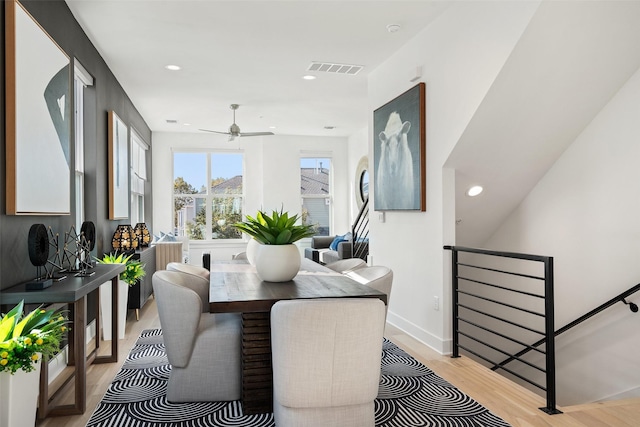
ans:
(362, 181)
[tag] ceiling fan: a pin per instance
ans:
(234, 129)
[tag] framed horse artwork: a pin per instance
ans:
(399, 152)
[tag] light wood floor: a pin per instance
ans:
(517, 406)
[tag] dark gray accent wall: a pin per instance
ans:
(106, 94)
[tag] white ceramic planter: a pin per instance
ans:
(277, 263)
(19, 401)
(252, 248)
(105, 308)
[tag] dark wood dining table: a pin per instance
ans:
(236, 288)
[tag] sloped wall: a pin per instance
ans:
(584, 213)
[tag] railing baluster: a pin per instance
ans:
(548, 315)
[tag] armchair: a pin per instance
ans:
(203, 349)
(326, 361)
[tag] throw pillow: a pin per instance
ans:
(334, 244)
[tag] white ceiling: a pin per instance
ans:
(253, 53)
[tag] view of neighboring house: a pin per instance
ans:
(314, 189)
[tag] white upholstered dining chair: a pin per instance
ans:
(346, 265)
(378, 277)
(196, 283)
(189, 269)
(203, 349)
(326, 361)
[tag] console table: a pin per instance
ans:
(73, 291)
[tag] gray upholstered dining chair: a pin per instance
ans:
(196, 282)
(203, 349)
(189, 269)
(239, 255)
(378, 277)
(346, 265)
(326, 361)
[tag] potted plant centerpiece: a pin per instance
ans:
(25, 340)
(277, 259)
(133, 271)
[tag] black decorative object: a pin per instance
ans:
(142, 234)
(88, 234)
(38, 245)
(85, 243)
(124, 239)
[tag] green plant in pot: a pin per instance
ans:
(133, 271)
(26, 338)
(277, 229)
(277, 259)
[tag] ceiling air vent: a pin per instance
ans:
(328, 67)
(171, 121)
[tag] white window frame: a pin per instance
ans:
(139, 177)
(329, 196)
(81, 80)
(208, 196)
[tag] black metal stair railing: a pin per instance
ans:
(619, 298)
(509, 313)
(360, 232)
(548, 334)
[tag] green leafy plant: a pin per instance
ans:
(23, 338)
(133, 271)
(276, 229)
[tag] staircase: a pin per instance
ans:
(360, 232)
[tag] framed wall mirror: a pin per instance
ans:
(362, 181)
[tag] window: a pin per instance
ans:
(316, 194)
(138, 176)
(207, 194)
(81, 79)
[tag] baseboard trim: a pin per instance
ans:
(418, 333)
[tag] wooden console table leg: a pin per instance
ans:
(77, 346)
(257, 375)
(113, 357)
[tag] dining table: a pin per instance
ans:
(235, 287)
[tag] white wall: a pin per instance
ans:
(271, 180)
(461, 53)
(584, 213)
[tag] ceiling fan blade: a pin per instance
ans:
(214, 131)
(256, 133)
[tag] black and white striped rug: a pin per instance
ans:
(410, 394)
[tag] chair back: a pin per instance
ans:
(239, 255)
(346, 265)
(378, 277)
(189, 269)
(194, 282)
(179, 309)
(326, 352)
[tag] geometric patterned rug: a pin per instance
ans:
(410, 394)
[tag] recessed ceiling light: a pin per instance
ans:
(272, 127)
(186, 124)
(172, 67)
(474, 191)
(393, 28)
(309, 77)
